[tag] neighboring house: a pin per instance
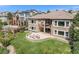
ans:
(57, 23)
(20, 17)
(3, 16)
(74, 12)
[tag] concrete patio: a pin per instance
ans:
(43, 36)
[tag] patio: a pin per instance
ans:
(41, 36)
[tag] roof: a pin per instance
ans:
(28, 11)
(54, 15)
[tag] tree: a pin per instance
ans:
(1, 24)
(48, 11)
(5, 41)
(70, 11)
(17, 19)
(74, 34)
(10, 17)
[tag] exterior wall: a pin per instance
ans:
(30, 25)
(36, 24)
(60, 28)
(53, 27)
(23, 17)
(3, 16)
(40, 23)
(3, 19)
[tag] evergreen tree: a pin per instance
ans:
(1, 24)
(10, 17)
(74, 35)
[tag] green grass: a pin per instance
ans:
(23, 46)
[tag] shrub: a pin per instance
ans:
(3, 51)
(76, 47)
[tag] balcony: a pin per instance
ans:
(47, 25)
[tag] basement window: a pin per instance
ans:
(55, 31)
(67, 34)
(61, 33)
(33, 28)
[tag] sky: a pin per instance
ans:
(14, 8)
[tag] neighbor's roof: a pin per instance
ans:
(54, 15)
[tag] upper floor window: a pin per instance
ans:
(21, 14)
(33, 21)
(61, 23)
(55, 23)
(21, 18)
(27, 14)
(67, 24)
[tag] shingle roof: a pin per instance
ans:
(54, 15)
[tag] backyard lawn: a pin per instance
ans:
(24, 46)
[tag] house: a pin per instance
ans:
(20, 17)
(56, 23)
(3, 16)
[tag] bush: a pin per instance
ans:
(5, 23)
(5, 42)
(76, 35)
(3, 51)
(22, 29)
(76, 47)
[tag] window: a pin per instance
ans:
(33, 21)
(21, 18)
(61, 23)
(32, 28)
(67, 23)
(61, 33)
(55, 23)
(27, 14)
(25, 23)
(55, 31)
(21, 14)
(67, 34)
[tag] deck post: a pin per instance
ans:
(44, 26)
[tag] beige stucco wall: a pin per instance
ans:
(36, 24)
(29, 24)
(39, 22)
(59, 28)
(53, 28)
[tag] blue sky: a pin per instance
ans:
(38, 7)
